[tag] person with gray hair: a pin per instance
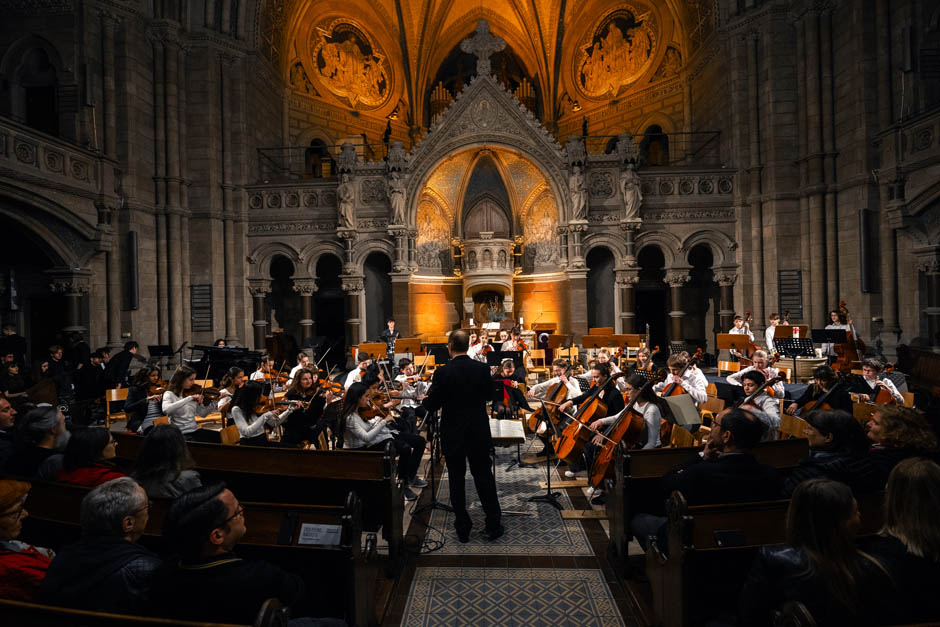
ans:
(107, 557)
(39, 434)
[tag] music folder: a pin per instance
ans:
(684, 410)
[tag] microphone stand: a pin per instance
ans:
(549, 497)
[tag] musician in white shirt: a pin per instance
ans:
(867, 385)
(560, 371)
(355, 375)
(302, 361)
(767, 407)
(769, 332)
(838, 322)
(413, 391)
(603, 356)
(740, 328)
(760, 365)
(692, 380)
(478, 345)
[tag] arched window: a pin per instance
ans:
(315, 157)
(654, 149)
(38, 97)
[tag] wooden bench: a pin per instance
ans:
(271, 614)
(342, 579)
(312, 477)
(636, 485)
(709, 554)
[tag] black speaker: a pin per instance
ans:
(133, 278)
(865, 250)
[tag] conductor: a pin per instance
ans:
(461, 389)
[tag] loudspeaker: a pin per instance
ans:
(133, 278)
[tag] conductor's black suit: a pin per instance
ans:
(460, 389)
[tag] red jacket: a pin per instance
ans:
(21, 572)
(89, 476)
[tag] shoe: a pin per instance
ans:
(570, 474)
(590, 491)
(409, 494)
(493, 534)
(600, 499)
(418, 482)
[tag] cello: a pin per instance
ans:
(570, 444)
(627, 428)
(556, 395)
(748, 353)
(822, 402)
(675, 389)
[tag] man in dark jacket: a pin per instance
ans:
(119, 366)
(725, 472)
(89, 388)
(106, 571)
(460, 390)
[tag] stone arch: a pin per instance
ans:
(24, 44)
(612, 242)
(310, 133)
(311, 253)
(265, 253)
(668, 244)
(656, 118)
(718, 242)
(365, 248)
(72, 242)
(514, 207)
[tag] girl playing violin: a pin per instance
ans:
(306, 422)
(250, 415)
(507, 397)
(413, 391)
(143, 400)
(231, 382)
(760, 365)
(182, 406)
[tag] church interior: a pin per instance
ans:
(595, 191)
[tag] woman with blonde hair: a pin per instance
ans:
(898, 433)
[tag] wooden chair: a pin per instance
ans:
(114, 396)
(537, 355)
(419, 362)
(863, 411)
(908, 399)
(712, 390)
(681, 438)
(792, 426)
(728, 366)
(161, 420)
(709, 408)
(230, 435)
(787, 372)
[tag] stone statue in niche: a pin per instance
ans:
(349, 65)
(472, 260)
(396, 197)
(579, 196)
(487, 258)
(396, 156)
(347, 212)
(630, 191)
(620, 51)
(501, 259)
(299, 79)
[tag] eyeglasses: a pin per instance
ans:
(16, 513)
(240, 511)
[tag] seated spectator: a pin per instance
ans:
(820, 565)
(898, 433)
(724, 472)
(838, 450)
(86, 461)
(209, 582)
(7, 421)
(22, 565)
(909, 542)
(39, 434)
(107, 558)
(164, 465)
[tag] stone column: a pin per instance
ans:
(931, 268)
(354, 287)
(726, 310)
(108, 22)
(306, 288)
(401, 309)
(629, 228)
(413, 249)
(563, 244)
(74, 284)
(676, 279)
(114, 292)
(259, 288)
(577, 298)
(627, 281)
(400, 235)
(575, 229)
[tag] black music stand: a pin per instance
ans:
(435, 440)
(795, 347)
(549, 497)
(830, 336)
(440, 352)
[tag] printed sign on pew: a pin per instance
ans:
(323, 535)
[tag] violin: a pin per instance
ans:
(522, 346)
(331, 386)
(157, 388)
(207, 393)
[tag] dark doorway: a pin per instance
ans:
(38, 78)
(701, 300)
(654, 148)
(600, 287)
(284, 304)
(652, 297)
(318, 161)
(378, 286)
(329, 313)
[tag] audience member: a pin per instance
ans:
(39, 434)
(909, 542)
(86, 461)
(11, 342)
(22, 565)
(838, 450)
(820, 565)
(898, 433)
(107, 570)
(7, 420)
(57, 369)
(89, 390)
(13, 384)
(164, 466)
(208, 581)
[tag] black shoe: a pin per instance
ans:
(493, 534)
(548, 451)
(600, 499)
(463, 536)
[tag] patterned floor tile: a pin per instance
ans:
(541, 531)
(510, 597)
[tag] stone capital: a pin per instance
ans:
(347, 234)
(70, 282)
(259, 287)
(631, 226)
(305, 287)
(578, 226)
(353, 284)
(677, 279)
(726, 280)
(627, 280)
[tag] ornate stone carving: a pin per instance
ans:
(346, 216)
(630, 193)
(55, 162)
(71, 286)
(574, 150)
(689, 215)
(578, 193)
(627, 280)
(310, 199)
(677, 279)
(726, 280)
(617, 52)
(670, 65)
(352, 284)
(601, 184)
(259, 290)
(328, 198)
(396, 157)
(255, 201)
(291, 199)
(25, 153)
(350, 64)
(396, 197)
(373, 190)
(371, 224)
(347, 158)
(274, 201)
(305, 287)
(626, 149)
(300, 80)
(929, 266)
(482, 45)
(263, 228)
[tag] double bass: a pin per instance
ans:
(850, 352)
(570, 444)
(627, 428)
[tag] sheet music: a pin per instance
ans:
(507, 429)
(684, 409)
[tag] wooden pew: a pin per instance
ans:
(342, 579)
(303, 476)
(636, 484)
(271, 614)
(710, 551)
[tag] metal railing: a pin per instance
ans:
(700, 148)
(311, 162)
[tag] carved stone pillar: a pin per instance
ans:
(931, 268)
(108, 22)
(74, 284)
(726, 311)
(576, 228)
(353, 285)
(563, 244)
(306, 288)
(259, 288)
(629, 228)
(413, 249)
(114, 293)
(401, 309)
(676, 279)
(627, 284)
(348, 237)
(400, 235)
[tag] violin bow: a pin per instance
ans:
(322, 357)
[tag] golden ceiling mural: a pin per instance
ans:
(349, 64)
(618, 52)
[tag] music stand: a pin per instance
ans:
(440, 352)
(795, 347)
(830, 336)
(549, 497)
(787, 330)
(595, 341)
(435, 442)
(408, 346)
(732, 342)
(497, 390)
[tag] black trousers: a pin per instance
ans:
(204, 435)
(409, 448)
(409, 418)
(457, 455)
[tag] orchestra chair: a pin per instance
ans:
(537, 355)
(419, 363)
(230, 435)
(791, 426)
(710, 407)
(161, 420)
(204, 383)
(863, 411)
(728, 366)
(787, 372)
(114, 396)
(712, 390)
(681, 438)
(323, 442)
(908, 399)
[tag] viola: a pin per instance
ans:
(207, 393)
(626, 429)
(331, 386)
(158, 388)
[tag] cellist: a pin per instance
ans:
(871, 382)
(741, 327)
(507, 397)
(838, 321)
(765, 408)
(824, 378)
(692, 381)
(760, 365)
(561, 371)
(608, 394)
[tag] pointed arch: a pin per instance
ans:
(668, 243)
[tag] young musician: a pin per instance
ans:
(389, 335)
(740, 328)
(603, 356)
(644, 359)
(693, 381)
(515, 343)
(182, 408)
(266, 374)
(507, 398)
(760, 365)
(306, 423)
(824, 378)
(302, 362)
(413, 392)
(838, 322)
(561, 371)
(248, 419)
(478, 346)
(231, 382)
(503, 337)
(767, 408)
(608, 394)
(867, 385)
(142, 407)
(364, 360)
(769, 332)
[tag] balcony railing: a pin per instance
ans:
(699, 148)
(310, 162)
